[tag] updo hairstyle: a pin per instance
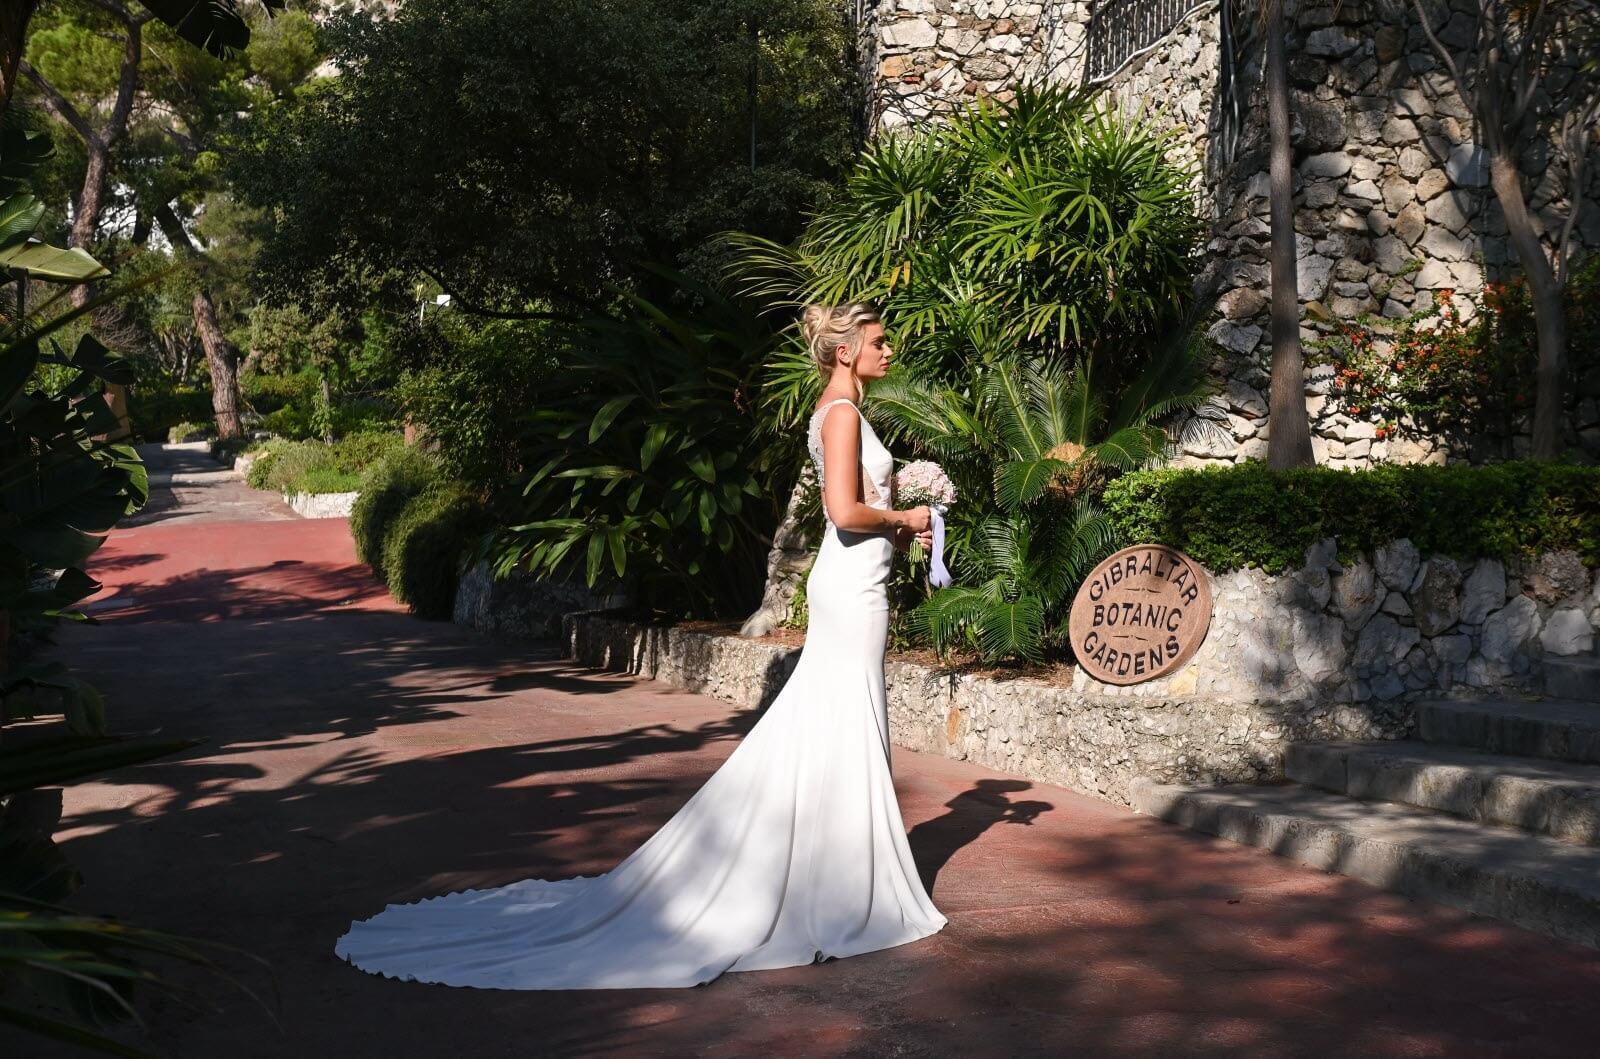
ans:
(827, 327)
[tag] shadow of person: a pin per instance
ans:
(972, 812)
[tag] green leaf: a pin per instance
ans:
(700, 463)
(41, 261)
(608, 414)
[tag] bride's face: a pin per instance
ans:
(873, 354)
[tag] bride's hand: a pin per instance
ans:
(917, 519)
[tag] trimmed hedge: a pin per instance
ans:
(424, 546)
(1247, 515)
(386, 488)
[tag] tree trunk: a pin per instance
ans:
(327, 408)
(221, 358)
(90, 204)
(223, 361)
(14, 16)
(1549, 314)
(787, 562)
(1288, 422)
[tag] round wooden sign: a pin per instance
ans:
(1140, 615)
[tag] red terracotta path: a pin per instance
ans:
(356, 756)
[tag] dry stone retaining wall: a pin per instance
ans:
(1328, 651)
(1392, 197)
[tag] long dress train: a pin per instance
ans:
(792, 851)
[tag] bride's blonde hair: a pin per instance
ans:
(827, 327)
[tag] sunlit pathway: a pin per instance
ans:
(355, 756)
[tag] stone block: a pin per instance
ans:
(1330, 42)
(1357, 594)
(1436, 601)
(1450, 210)
(1484, 591)
(1509, 632)
(1397, 564)
(1329, 165)
(1567, 632)
(1468, 166)
(912, 33)
(1410, 224)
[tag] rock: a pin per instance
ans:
(1413, 163)
(1318, 126)
(1397, 192)
(1436, 600)
(1314, 274)
(1365, 190)
(1567, 632)
(1556, 576)
(1395, 603)
(1397, 131)
(1509, 631)
(1387, 686)
(1440, 244)
(1453, 649)
(1434, 274)
(1411, 102)
(1397, 563)
(914, 33)
(1242, 303)
(1246, 399)
(1378, 643)
(1410, 225)
(1331, 42)
(1447, 210)
(1484, 591)
(1431, 183)
(1319, 650)
(1468, 165)
(1239, 339)
(1390, 254)
(1356, 594)
(1332, 164)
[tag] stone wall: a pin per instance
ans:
(1328, 651)
(1392, 203)
(520, 607)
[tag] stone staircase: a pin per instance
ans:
(1494, 807)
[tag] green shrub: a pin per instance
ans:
(268, 393)
(290, 421)
(386, 488)
(190, 431)
(1248, 515)
(155, 408)
(425, 545)
(318, 467)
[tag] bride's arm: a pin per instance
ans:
(841, 480)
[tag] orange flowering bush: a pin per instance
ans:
(1438, 372)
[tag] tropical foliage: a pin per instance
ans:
(639, 459)
(1050, 226)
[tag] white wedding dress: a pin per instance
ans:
(792, 852)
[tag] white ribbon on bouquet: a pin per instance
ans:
(938, 576)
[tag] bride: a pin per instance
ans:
(794, 850)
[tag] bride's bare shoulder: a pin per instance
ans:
(832, 401)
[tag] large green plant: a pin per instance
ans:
(62, 487)
(1048, 226)
(639, 465)
(1030, 443)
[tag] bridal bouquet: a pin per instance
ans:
(924, 482)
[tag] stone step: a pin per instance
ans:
(1534, 881)
(1556, 798)
(1572, 677)
(1562, 729)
